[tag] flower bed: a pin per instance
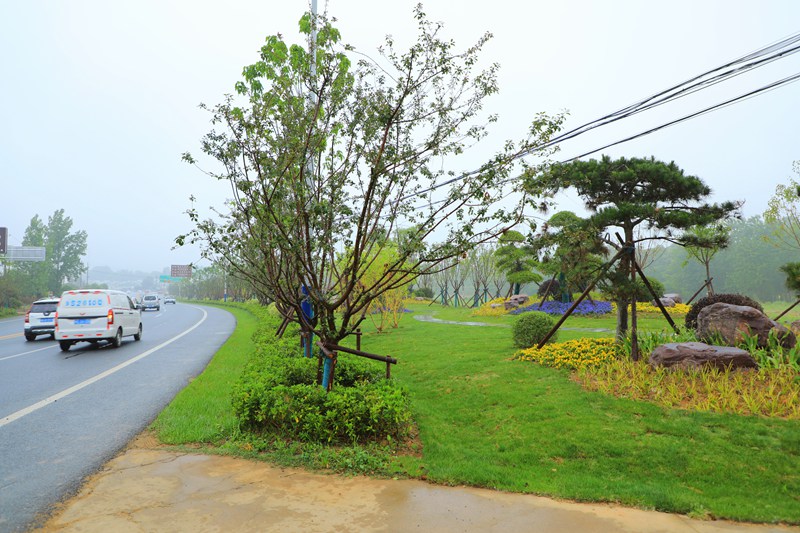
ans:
(574, 354)
(487, 309)
(586, 307)
(645, 307)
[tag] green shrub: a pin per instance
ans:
(643, 294)
(365, 412)
(531, 327)
(618, 286)
(550, 287)
(423, 292)
(733, 299)
(277, 395)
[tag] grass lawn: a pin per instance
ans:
(202, 412)
(487, 420)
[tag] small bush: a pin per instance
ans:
(733, 299)
(531, 328)
(363, 413)
(423, 292)
(550, 287)
(643, 294)
(276, 395)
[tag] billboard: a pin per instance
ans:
(3, 240)
(181, 271)
(25, 253)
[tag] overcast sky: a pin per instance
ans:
(100, 98)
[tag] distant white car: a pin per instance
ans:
(93, 315)
(150, 301)
(169, 300)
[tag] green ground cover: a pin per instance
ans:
(202, 412)
(488, 420)
(6, 312)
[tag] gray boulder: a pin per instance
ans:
(675, 297)
(732, 323)
(698, 354)
(516, 301)
(666, 302)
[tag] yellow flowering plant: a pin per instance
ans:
(487, 309)
(574, 354)
(646, 307)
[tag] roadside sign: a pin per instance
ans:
(168, 279)
(181, 271)
(3, 240)
(25, 253)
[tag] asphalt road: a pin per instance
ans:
(64, 414)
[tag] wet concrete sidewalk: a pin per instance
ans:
(148, 489)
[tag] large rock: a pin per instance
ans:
(675, 297)
(516, 301)
(666, 302)
(697, 354)
(732, 323)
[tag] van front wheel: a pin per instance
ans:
(138, 336)
(117, 340)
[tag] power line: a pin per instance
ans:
(678, 91)
(736, 67)
(726, 103)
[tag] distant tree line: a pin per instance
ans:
(23, 282)
(750, 265)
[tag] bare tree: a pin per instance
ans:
(481, 261)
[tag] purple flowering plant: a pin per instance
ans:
(585, 308)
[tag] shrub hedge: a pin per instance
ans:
(276, 394)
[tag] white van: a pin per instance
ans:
(93, 315)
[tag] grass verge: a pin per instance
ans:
(487, 420)
(202, 412)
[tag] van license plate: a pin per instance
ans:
(45, 320)
(82, 321)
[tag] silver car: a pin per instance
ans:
(150, 301)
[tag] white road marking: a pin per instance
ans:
(26, 353)
(63, 394)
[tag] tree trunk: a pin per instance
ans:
(625, 266)
(622, 319)
(708, 279)
(634, 333)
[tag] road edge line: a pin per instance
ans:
(94, 379)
